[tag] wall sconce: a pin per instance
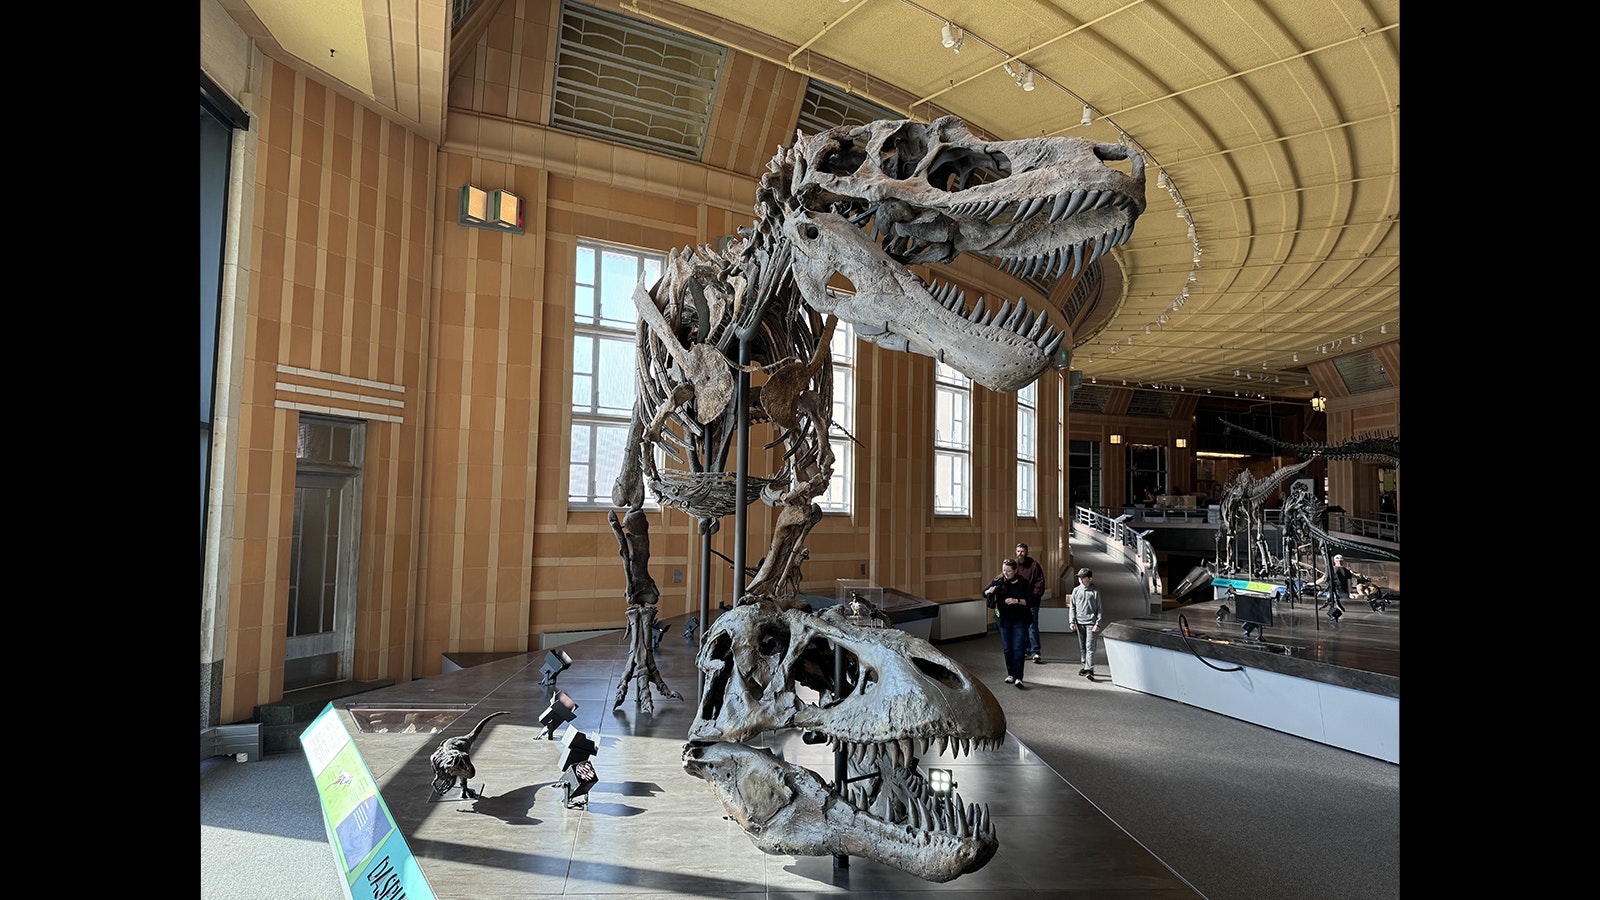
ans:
(1182, 443)
(1319, 403)
(1116, 439)
(492, 210)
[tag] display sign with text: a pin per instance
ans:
(371, 853)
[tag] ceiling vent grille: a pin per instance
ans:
(825, 106)
(1090, 398)
(1153, 404)
(1362, 373)
(630, 82)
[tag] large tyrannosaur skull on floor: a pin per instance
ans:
(769, 670)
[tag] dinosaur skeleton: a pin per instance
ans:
(1244, 521)
(861, 204)
(884, 697)
(1368, 447)
(1302, 513)
(452, 760)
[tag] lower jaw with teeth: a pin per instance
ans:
(787, 809)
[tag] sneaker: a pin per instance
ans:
(1089, 674)
(1009, 679)
(1038, 657)
(1019, 682)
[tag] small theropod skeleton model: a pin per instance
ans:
(452, 761)
(864, 203)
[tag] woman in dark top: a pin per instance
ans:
(1008, 596)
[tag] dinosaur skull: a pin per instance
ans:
(769, 669)
(870, 201)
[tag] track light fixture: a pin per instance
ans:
(952, 36)
(1021, 74)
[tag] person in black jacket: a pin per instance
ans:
(1032, 574)
(1008, 596)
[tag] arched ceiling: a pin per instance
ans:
(1275, 122)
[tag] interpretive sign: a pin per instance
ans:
(371, 853)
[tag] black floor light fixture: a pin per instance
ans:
(562, 709)
(942, 782)
(555, 662)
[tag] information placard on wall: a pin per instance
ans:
(372, 855)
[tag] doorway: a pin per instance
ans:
(323, 554)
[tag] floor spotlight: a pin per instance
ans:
(577, 747)
(656, 631)
(555, 662)
(577, 772)
(562, 709)
(576, 782)
(942, 782)
(1222, 613)
(690, 627)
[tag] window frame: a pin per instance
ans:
(1028, 452)
(952, 446)
(592, 324)
(839, 498)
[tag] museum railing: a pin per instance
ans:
(1140, 553)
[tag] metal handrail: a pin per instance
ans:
(1116, 528)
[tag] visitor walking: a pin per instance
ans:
(1032, 574)
(1007, 595)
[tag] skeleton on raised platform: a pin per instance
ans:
(857, 205)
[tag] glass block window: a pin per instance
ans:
(604, 374)
(634, 83)
(1027, 449)
(842, 486)
(952, 442)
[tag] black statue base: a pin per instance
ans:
(456, 793)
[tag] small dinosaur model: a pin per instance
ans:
(452, 761)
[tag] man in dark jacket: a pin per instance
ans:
(1031, 574)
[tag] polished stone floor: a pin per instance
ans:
(650, 829)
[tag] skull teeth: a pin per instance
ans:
(1016, 317)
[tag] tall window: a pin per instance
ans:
(952, 442)
(840, 488)
(604, 382)
(1027, 449)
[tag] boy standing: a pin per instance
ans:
(1085, 611)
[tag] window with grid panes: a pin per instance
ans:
(604, 375)
(841, 486)
(952, 442)
(1027, 449)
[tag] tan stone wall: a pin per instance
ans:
(339, 301)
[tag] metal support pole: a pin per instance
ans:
(841, 763)
(741, 470)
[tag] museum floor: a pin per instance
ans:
(1069, 792)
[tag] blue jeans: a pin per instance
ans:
(1013, 641)
(1034, 647)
